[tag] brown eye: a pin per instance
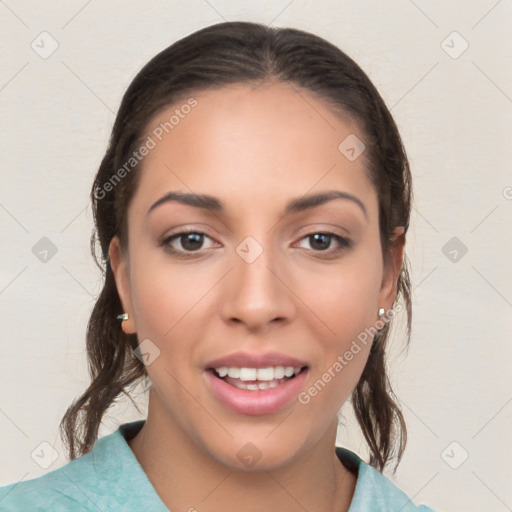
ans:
(191, 241)
(320, 241)
(186, 243)
(323, 242)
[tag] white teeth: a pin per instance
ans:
(223, 371)
(268, 374)
(248, 373)
(265, 373)
(255, 386)
(288, 371)
(279, 372)
(234, 373)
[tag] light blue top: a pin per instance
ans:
(110, 479)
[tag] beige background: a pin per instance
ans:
(454, 112)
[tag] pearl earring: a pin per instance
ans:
(381, 312)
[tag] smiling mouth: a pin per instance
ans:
(254, 379)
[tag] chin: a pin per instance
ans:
(264, 449)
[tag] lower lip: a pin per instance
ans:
(258, 402)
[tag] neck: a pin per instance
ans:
(187, 477)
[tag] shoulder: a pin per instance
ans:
(62, 489)
(107, 479)
(374, 491)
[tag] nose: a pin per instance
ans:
(256, 294)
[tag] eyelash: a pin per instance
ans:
(344, 244)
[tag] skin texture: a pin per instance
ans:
(254, 148)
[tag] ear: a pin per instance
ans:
(392, 268)
(120, 269)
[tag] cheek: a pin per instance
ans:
(166, 296)
(346, 303)
(347, 300)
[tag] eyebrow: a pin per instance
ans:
(208, 202)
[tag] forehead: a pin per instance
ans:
(242, 141)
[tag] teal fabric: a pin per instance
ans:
(110, 479)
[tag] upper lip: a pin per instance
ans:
(247, 360)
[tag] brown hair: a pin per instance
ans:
(228, 53)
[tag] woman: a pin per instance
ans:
(251, 210)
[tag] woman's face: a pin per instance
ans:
(268, 283)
